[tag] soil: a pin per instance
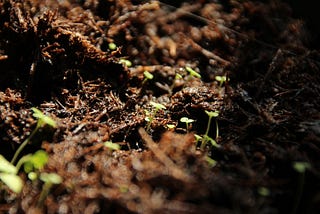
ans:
(56, 56)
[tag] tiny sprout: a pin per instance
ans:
(301, 167)
(8, 175)
(211, 162)
(206, 137)
(197, 137)
(112, 146)
(147, 76)
(42, 121)
(150, 116)
(193, 72)
(221, 79)
(126, 62)
(13, 181)
(263, 191)
(42, 118)
(171, 126)
(178, 76)
(186, 121)
(112, 46)
(49, 180)
(157, 106)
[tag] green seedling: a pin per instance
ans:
(211, 162)
(32, 163)
(42, 121)
(112, 46)
(206, 138)
(8, 175)
(150, 116)
(187, 121)
(263, 191)
(192, 72)
(171, 126)
(301, 168)
(112, 146)
(221, 80)
(49, 180)
(147, 76)
(126, 62)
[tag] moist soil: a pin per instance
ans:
(60, 57)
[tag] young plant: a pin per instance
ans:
(206, 138)
(221, 80)
(49, 180)
(32, 163)
(150, 116)
(192, 72)
(126, 62)
(112, 146)
(8, 175)
(187, 121)
(147, 76)
(42, 121)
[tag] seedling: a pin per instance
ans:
(211, 162)
(112, 146)
(171, 126)
(301, 168)
(192, 72)
(126, 62)
(206, 139)
(186, 121)
(42, 121)
(33, 162)
(112, 46)
(221, 79)
(8, 175)
(150, 116)
(147, 76)
(49, 180)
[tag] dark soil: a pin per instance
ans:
(55, 55)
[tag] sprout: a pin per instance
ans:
(112, 46)
(147, 76)
(126, 62)
(42, 121)
(186, 121)
(193, 72)
(112, 146)
(150, 116)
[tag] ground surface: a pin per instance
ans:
(55, 55)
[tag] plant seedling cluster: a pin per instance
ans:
(151, 115)
(205, 139)
(32, 163)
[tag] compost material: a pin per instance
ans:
(98, 68)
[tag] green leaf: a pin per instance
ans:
(6, 166)
(53, 178)
(112, 46)
(301, 167)
(112, 146)
(212, 141)
(157, 105)
(193, 72)
(43, 118)
(148, 75)
(212, 113)
(126, 62)
(186, 120)
(39, 159)
(14, 182)
(210, 161)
